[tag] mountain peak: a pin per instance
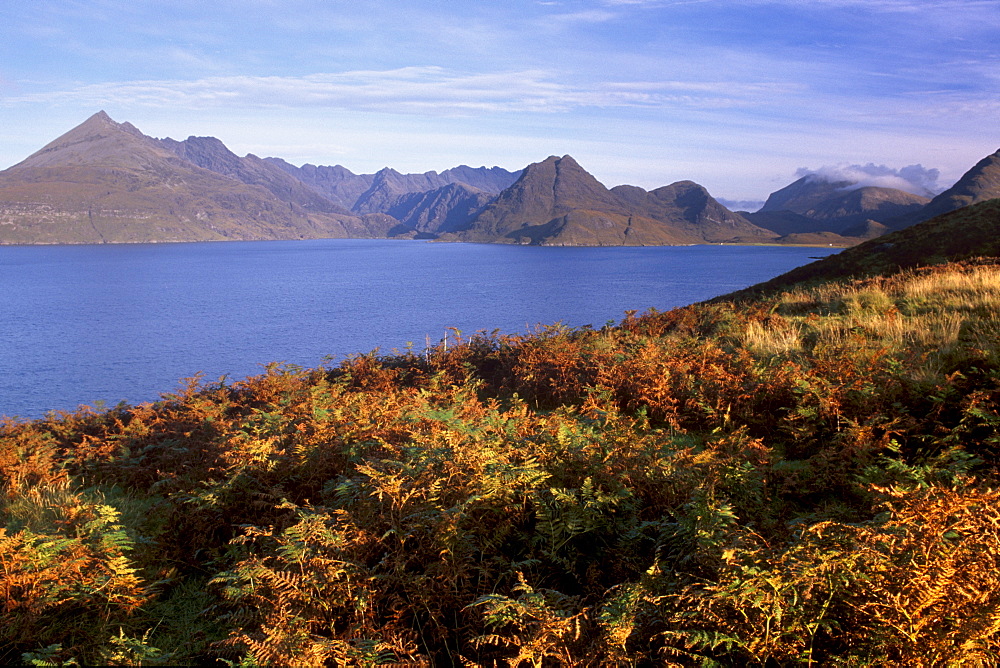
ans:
(566, 160)
(99, 139)
(804, 194)
(100, 123)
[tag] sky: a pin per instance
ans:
(742, 97)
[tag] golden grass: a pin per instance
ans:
(920, 310)
(772, 339)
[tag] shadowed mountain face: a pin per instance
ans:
(870, 203)
(556, 202)
(107, 182)
(866, 230)
(388, 185)
(367, 193)
(804, 194)
(439, 211)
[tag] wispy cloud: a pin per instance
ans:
(413, 90)
(872, 5)
(654, 3)
(587, 16)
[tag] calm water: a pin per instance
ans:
(87, 324)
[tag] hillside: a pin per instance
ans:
(210, 153)
(960, 235)
(804, 475)
(336, 183)
(689, 208)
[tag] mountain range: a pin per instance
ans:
(107, 182)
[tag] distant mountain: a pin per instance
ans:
(389, 184)
(375, 193)
(447, 209)
(812, 204)
(488, 179)
(107, 182)
(979, 184)
(804, 194)
(557, 202)
(337, 183)
(854, 206)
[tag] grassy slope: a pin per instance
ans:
(804, 477)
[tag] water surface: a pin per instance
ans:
(111, 323)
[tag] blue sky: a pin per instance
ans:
(738, 96)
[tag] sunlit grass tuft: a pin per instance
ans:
(772, 338)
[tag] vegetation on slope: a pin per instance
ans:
(808, 478)
(959, 235)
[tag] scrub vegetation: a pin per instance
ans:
(802, 478)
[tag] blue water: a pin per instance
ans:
(89, 324)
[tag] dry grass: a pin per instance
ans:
(920, 311)
(772, 338)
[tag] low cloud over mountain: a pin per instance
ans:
(915, 179)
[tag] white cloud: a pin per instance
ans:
(915, 179)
